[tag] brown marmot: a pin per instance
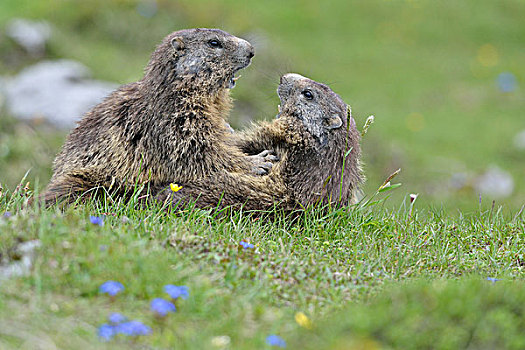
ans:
(168, 127)
(317, 141)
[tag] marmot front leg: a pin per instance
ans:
(258, 144)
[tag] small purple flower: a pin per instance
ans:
(106, 332)
(7, 215)
(162, 307)
(246, 245)
(111, 287)
(507, 82)
(275, 340)
(176, 292)
(116, 318)
(97, 220)
(493, 279)
(133, 328)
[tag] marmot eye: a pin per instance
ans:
(308, 94)
(216, 44)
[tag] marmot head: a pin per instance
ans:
(199, 59)
(321, 111)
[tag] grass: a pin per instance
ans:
(427, 314)
(388, 274)
(315, 264)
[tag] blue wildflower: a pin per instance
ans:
(507, 82)
(133, 328)
(97, 220)
(493, 280)
(161, 307)
(106, 332)
(111, 287)
(7, 215)
(176, 292)
(275, 340)
(116, 318)
(246, 245)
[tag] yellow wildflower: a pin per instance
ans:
(303, 320)
(175, 187)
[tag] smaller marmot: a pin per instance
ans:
(317, 142)
(168, 127)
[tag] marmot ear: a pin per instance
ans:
(177, 43)
(333, 122)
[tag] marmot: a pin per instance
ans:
(168, 127)
(317, 142)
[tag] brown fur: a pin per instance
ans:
(311, 137)
(168, 127)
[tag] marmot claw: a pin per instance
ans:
(263, 162)
(268, 155)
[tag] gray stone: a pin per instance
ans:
(59, 91)
(458, 180)
(21, 267)
(495, 183)
(31, 35)
(519, 140)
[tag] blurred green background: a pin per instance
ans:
(427, 70)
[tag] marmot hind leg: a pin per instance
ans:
(68, 188)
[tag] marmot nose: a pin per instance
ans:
(251, 51)
(246, 48)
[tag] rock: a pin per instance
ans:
(31, 35)
(458, 180)
(59, 91)
(495, 183)
(22, 266)
(519, 140)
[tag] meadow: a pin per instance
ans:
(360, 277)
(442, 272)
